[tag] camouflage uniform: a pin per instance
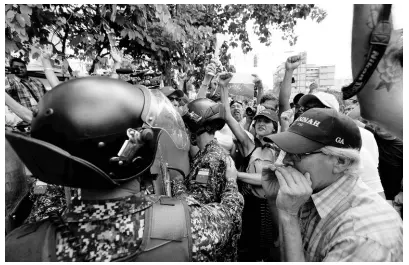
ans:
(212, 158)
(53, 200)
(112, 229)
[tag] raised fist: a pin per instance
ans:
(256, 79)
(224, 78)
(293, 62)
(211, 69)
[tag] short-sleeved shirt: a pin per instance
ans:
(26, 92)
(207, 177)
(369, 161)
(348, 221)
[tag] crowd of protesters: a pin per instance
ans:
(271, 178)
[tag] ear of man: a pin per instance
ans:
(341, 164)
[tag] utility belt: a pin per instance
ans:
(166, 236)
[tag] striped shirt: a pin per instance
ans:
(348, 221)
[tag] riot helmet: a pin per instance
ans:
(203, 115)
(96, 132)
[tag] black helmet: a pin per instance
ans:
(97, 132)
(202, 115)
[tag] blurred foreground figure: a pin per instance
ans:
(377, 67)
(118, 144)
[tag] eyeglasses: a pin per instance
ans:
(19, 67)
(174, 99)
(299, 157)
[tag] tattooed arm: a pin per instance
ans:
(381, 100)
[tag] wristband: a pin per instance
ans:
(48, 68)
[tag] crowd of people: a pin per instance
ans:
(270, 178)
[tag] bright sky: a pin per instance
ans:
(326, 43)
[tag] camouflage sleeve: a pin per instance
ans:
(218, 170)
(178, 187)
(216, 227)
(232, 198)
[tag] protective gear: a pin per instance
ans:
(202, 115)
(162, 241)
(89, 127)
(104, 129)
(16, 188)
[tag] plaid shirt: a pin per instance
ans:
(21, 93)
(348, 221)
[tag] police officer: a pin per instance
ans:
(101, 135)
(205, 180)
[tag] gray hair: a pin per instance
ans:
(345, 153)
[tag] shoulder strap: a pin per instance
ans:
(32, 242)
(167, 232)
(378, 42)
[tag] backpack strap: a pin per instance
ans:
(167, 235)
(32, 242)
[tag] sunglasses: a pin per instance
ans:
(174, 99)
(299, 157)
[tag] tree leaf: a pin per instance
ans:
(27, 19)
(10, 14)
(124, 32)
(24, 9)
(20, 19)
(8, 7)
(120, 20)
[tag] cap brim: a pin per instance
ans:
(304, 99)
(178, 93)
(263, 115)
(293, 143)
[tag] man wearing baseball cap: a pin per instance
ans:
(325, 211)
(174, 95)
(369, 151)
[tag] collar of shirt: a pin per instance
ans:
(208, 145)
(327, 199)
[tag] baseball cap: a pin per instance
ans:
(297, 97)
(168, 90)
(327, 99)
(317, 128)
(235, 101)
(268, 113)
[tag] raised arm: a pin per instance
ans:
(235, 127)
(21, 111)
(285, 91)
(46, 53)
(117, 57)
(258, 84)
(384, 89)
(210, 72)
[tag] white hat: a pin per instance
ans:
(327, 99)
